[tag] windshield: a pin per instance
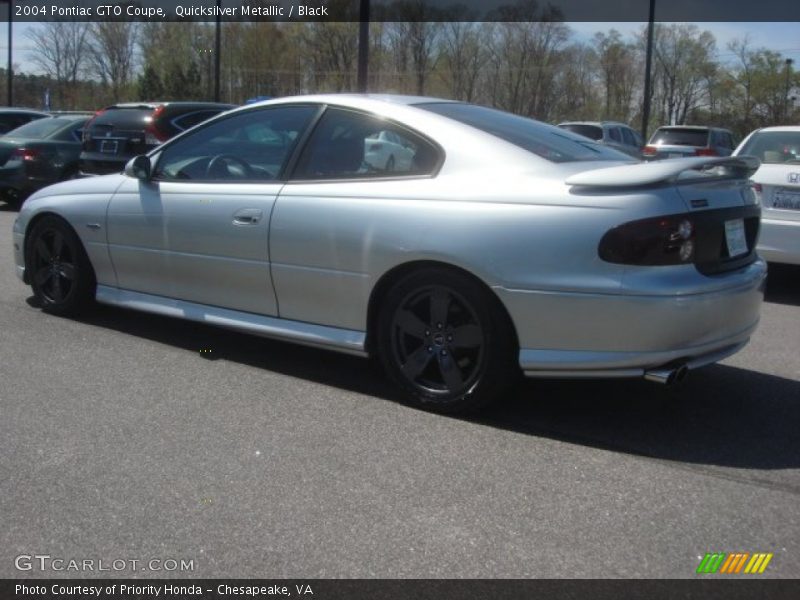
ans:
(773, 147)
(39, 129)
(593, 132)
(547, 141)
(680, 137)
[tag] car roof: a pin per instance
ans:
(155, 104)
(779, 128)
(595, 123)
(354, 100)
(694, 127)
(27, 111)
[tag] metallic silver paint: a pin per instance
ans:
(305, 269)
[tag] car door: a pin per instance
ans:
(332, 207)
(199, 229)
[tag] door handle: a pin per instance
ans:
(247, 216)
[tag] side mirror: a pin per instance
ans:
(138, 167)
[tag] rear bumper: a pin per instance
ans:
(780, 240)
(101, 164)
(624, 334)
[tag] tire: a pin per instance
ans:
(445, 340)
(61, 275)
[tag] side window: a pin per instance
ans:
(727, 141)
(615, 135)
(247, 146)
(627, 135)
(193, 118)
(347, 145)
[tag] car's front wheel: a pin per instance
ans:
(446, 341)
(61, 275)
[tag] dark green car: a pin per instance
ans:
(39, 153)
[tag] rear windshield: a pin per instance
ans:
(40, 128)
(123, 116)
(680, 137)
(774, 147)
(593, 132)
(547, 141)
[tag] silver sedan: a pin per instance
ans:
(503, 245)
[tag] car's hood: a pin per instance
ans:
(104, 184)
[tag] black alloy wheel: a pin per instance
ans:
(61, 276)
(443, 338)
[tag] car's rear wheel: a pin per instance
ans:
(446, 341)
(61, 275)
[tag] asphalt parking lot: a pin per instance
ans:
(132, 437)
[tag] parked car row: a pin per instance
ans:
(39, 148)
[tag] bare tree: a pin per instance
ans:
(464, 54)
(619, 69)
(60, 50)
(112, 47)
(683, 57)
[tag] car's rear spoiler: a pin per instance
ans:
(670, 170)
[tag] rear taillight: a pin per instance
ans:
(153, 136)
(666, 240)
(757, 192)
(705, 152)
(86, 136)
(25, 154)
(649, 151)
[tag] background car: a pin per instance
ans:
(778, 183)
(503, 246)
(384, 150)
(119, 132)
(680, 141)
(11, 118)
(617, 135)
(39, 153)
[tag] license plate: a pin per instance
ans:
(109, 146)
(734, 237)
(786, 199)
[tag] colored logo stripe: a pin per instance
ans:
(723, 562)
(735, 562)
(758, 563)
(711, 562)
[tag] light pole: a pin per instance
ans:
(10, 70)
(647, 65)
(789, 62)
(217, 50)
(363, 45)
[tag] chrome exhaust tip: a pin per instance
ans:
(667, 375)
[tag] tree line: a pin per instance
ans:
(535, 68)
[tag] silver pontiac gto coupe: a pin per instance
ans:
(493, 244)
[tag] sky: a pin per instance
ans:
(780, 37)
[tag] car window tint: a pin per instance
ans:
(39, 129)
(593, 132)
(628, 137)
(347, 144)
(615, 134)
(774, 146)
(546, 141)
(247, 146)
(191, 119)
(680, 137)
